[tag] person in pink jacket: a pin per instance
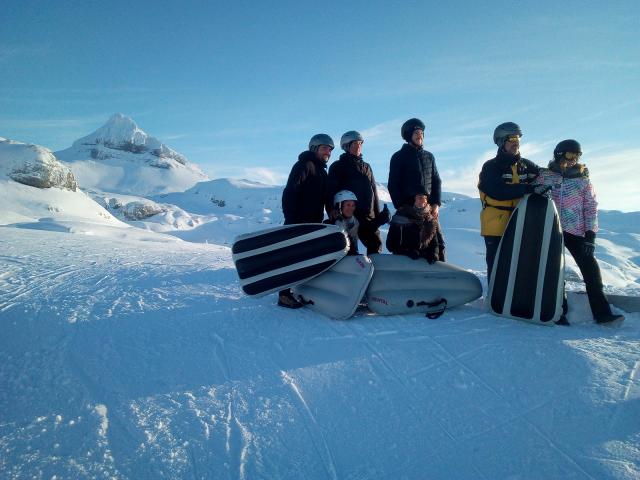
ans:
(575, 199)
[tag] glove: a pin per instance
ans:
(541, 189)
(384, 217)
(431, 258)
(589, 245)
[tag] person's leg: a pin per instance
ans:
(491, 243)
(287, 300)
(369, 237)
(590, 271)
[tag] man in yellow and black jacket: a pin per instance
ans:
(504, 180)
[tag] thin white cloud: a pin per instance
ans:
(615, 179)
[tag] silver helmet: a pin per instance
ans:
(348, 137)
(320, 139)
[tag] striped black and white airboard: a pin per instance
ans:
(528, 274)
(281, 257)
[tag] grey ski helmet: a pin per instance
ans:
(409, 126)
(320, 139)
(566, 146)
(505, 130)
(348, 137)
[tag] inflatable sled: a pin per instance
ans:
(337, 292)
(280, 257)
(401, 285)
(528, 272)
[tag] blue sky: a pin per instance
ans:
(240, 88)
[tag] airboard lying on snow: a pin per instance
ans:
(528, 273)
(337, 292)
(402, 285)
(280, 257)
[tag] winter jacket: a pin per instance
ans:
(504, 180)
(306, 195)
(350, 226)
(416, 234)
(350, 172)
(411, 171)
(574, 197)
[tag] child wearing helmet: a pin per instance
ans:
(415, 231)
(575, 199)
(345, 206)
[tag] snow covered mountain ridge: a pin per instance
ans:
(122, 133)
(120, 157)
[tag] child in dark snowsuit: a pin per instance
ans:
(415, 232)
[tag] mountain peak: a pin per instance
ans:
(120, 130)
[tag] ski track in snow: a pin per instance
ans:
(143, 360)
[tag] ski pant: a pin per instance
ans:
(590, 271)
(369, 235)
(491, 242)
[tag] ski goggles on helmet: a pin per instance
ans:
(512, 138)
(572, 155)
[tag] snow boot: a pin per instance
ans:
(287, 300)
(563, 321)
(610, 319)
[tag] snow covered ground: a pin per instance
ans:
(128, 353)
(139, 357)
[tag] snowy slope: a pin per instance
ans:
(120, 157)
(131, 354)
(133, 359)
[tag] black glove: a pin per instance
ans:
(413, 254)
(384, 217)
(542, 189)
(589, 245)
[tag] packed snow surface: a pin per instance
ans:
(138, 358)
(127, 353)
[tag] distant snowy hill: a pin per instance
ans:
(120, 157)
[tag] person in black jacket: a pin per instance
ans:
(413, 169)
(306, 195)
(352, 173)
(415, 232)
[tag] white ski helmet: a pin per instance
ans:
(343, 196)
(348, 137)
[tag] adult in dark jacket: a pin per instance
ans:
(415, 232)
(306, 195)
(352, 173)
(413, 169)
(504, 180)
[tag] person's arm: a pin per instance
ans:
(590, 207)
(492, 183)
(394, 183)
(435, 198)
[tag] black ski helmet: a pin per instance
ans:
(505, 130)
(320, 139)
(409, 126)
(565, 146)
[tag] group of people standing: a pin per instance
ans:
(347, 193)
